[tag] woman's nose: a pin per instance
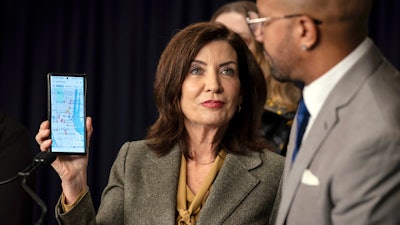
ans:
(212, 82)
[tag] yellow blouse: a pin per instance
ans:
(185, 197)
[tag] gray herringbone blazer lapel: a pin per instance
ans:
(233, 184)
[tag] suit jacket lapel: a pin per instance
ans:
(328, 117)
(340, 97)
(233, 180)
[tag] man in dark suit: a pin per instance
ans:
(15, 155)
(347, 166)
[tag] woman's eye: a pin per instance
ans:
(228, 71)
(196, 70)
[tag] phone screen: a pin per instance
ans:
(67, 113)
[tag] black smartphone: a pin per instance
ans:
(67, 112)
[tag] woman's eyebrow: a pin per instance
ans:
(228, 62)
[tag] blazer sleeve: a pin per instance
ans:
(74, 216)
(111, 208)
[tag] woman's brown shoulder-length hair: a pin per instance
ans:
(172, 70)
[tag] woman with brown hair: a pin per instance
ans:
(203, 161)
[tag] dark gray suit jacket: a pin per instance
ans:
(347, 171)
(142, 190)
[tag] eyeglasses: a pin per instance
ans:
(255, 23)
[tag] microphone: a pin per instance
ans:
(40, 159)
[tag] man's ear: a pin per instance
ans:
(307, 31)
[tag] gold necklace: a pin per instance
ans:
(203, 164)
(208, 163)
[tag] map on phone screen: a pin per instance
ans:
(67, 114)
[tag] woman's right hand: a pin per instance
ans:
(72, 169)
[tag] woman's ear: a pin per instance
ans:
(240, 98)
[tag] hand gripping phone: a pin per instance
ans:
(67, 112)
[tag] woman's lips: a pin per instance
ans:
(213, 104)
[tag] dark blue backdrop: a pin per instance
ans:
(117, 43)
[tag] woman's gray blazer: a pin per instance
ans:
(142, 190)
